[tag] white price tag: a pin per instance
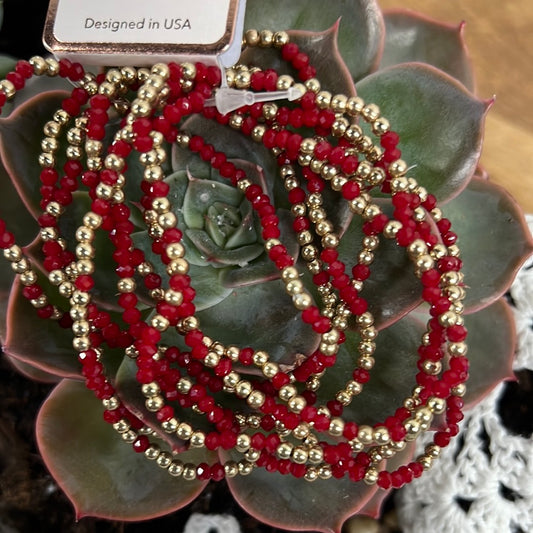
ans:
(143, 32)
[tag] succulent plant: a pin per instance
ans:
(418, 73)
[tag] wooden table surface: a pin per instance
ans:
(499, 36)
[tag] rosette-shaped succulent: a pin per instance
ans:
(203, 228)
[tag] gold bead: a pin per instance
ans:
(365, 434)
(175, 468)
(381, 435)
(154, 404)
(380, 126)
(258, 133)
(189, 472)
(164, 460)
(251, 37)
(297, 404)
(184, 431)
(313, 85)
(336, 427)
(299, 455)
(437, 405)
(371, 476)
(126, 285)
(412, 427)
(287, 392)
(284, 82)
(245, 468)
(459, 390)
(354, 105)
(370, 112)
(177, 266)
(354, 388)
(266, 38)
(391, 229)
(280, 39)
(338, 103)
(256, 399)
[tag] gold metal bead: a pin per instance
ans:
(256, 399)
(184, 431)
(126, 285)
(313, 85)
(336, 427)
(258, 132)
(354, 106)
(39, 65)
(175, 468)
(287, 392)
(242, 80)
(412, 427)
(371, 476)
(459, 390)
(164, 460)
(299, 455)
(365, 434)
(121, 426)
(432, 368)
(266, 38)
(447, 319)
(154, 404)
(231, 380)
(81, 344)
(189, 472)
(245, 467)
(177, 266)
(381, 435)
(284, 82)
(170, 425)
(437, 405)
(251, 37)
(391, 229)
(297, 404)
(339, 127)
(280, 39)
(380, 126)
(354, 388)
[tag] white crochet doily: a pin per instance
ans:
(484, 483)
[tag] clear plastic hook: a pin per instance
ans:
(227, 99)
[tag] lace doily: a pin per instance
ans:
(483, 483)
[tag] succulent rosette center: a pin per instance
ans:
(220, 224)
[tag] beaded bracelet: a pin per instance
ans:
(166, 95)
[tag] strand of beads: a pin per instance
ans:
(441, 281)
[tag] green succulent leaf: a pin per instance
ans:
(360, 32)
(392, 288)
(19, 221)
(260, 316)
(32, 372)
(289, 503)
(20, 144)
(52, 353)
(262, 268)
(491, 346)
(392, 378)
(440, 124)
(95, 468)
(410, 37)
(493, 237)
(7, 63)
